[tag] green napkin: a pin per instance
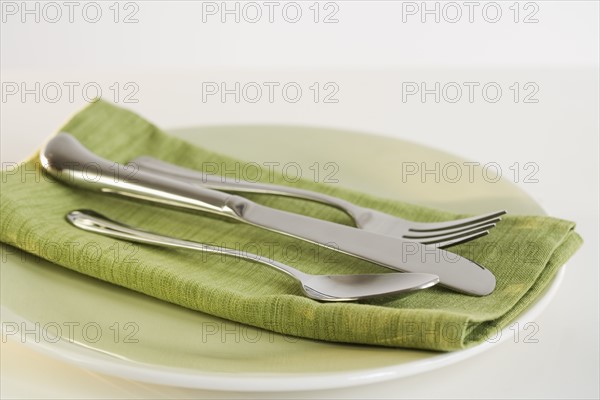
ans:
(524, 252)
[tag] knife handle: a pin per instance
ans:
(67, 160)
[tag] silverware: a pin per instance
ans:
(318, 287)
(69, 161)
(439, 234)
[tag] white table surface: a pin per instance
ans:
(559, 133)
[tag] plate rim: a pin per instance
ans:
(95, 360)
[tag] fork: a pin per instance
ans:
(438, 234)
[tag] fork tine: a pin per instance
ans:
(444, 238)
(459, 240)
(466, 229)
(438, 226)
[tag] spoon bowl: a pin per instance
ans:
(363, 286)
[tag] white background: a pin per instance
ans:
(369, 54)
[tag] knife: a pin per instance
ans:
(69, 161)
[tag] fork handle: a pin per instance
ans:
(150, 164)
(69, 161)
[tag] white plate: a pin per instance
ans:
(116, 331)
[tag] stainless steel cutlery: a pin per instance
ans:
(319, 287)
(69, 161)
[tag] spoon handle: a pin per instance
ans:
(94, 222)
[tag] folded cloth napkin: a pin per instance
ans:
(524, 252)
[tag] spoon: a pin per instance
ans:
(319, 287)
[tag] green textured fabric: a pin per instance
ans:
(524, 252)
